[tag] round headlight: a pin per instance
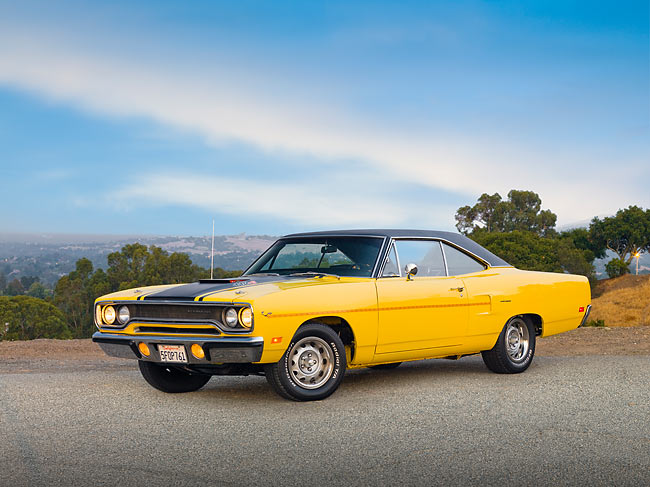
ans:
(109, 315)
(98, 314)
(246, 317)
(230, 317)
(123, 314)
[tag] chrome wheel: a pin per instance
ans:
(517, 340)
(311, 362)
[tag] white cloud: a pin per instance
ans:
(202, 102)
(307, 204)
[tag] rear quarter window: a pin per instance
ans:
(459, 263)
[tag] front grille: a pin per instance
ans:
(201, 319)
(176, 330)
(176, 312)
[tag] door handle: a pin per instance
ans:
(459, 289)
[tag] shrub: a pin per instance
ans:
(597, 323)
(27, 318)
(617, 268)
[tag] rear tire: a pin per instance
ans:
(312, 367)
(170, 379)
(514, 349)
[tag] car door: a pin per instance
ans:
(425, 312)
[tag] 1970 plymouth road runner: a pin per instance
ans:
(315, 304)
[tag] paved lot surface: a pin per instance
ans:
(580, 420)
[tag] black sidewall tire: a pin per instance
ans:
(498, 360)
(283, 374)
(170, 379)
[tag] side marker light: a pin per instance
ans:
(276, 340)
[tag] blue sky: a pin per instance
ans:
(272, 117)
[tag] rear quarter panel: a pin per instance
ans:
(556, 298)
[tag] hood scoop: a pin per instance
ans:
(231, 280)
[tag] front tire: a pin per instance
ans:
(514, 349)
(312, 367)
(170, 379)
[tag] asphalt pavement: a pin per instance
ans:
(567, 420)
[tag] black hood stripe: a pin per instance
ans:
(198, 291)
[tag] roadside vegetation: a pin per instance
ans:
(622, 301)
(516, 228)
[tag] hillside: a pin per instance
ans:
(622, 301)
(51, 256)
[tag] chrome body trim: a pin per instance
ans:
(444, 258)
(584, 318)
(442, 248)
(373, 274)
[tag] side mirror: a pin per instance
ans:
(411, 270)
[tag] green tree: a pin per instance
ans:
(134, 265)
(625, 233)
(3, 281)
(74, 294)
(27, 318)
(37, 290)
(15, 288)
(529, 251)
(521, 211)
(220, 273)
(581, 239)
(27, 281)
(617, 268)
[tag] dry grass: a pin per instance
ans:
(623, 301)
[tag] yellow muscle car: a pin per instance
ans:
(316, 304)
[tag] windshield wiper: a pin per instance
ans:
(263, 274)
(315, 274)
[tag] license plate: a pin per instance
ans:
(172, 353)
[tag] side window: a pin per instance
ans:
(391, 269)
(459, 263)
(426, 254)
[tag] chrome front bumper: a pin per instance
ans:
(218, 350)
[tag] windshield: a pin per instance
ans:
(340, 256)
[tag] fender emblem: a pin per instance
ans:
(267, 313)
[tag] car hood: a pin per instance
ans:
(228, 290)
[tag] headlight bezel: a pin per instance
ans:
(99, 315)
(246, 317)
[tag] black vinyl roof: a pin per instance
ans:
(455, 238)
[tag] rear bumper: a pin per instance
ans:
(584, 318)
(218, 350)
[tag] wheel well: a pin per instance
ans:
(340, 326)
(537, 321)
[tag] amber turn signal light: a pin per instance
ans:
(197, 351)
(144, 349)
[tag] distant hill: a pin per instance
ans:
(51, 256)
(623, 301)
